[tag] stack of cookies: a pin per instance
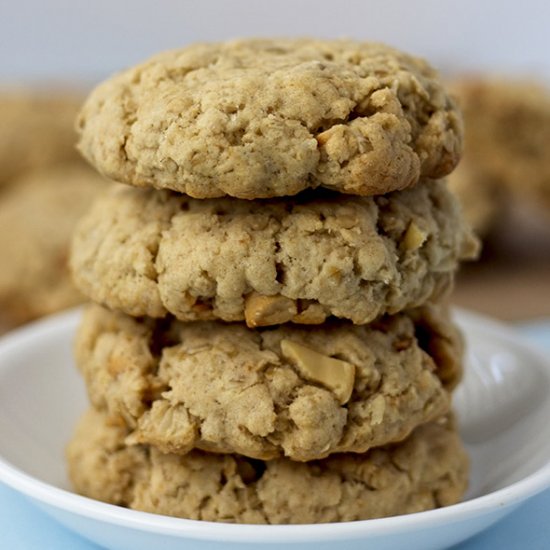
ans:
(269, 343)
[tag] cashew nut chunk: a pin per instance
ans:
(414, 237)
(336, 375)
(261, 310)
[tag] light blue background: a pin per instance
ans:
(24, 527)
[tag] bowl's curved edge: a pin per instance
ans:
(501, 500)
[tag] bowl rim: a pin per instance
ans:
(75, 504)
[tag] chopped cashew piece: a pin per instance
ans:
(314, 314)
(338, 376)
(323, 137)
(261, 310)
(378, 407)
(414, 237)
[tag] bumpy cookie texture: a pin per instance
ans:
(36, 130)
(152, 253)
(440, 338)
(38, 214)
(428, 470)
(267, 118)
(271, 392)
(507, 137)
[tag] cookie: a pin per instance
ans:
(38, 213)
(507, 135)
(155, 253)
(268, 118)
(483, 199)
(36, 131)
(300, 392)
(428, 470)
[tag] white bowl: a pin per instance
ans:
(503, 406)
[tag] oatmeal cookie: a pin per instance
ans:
(428, 470)
(268, 118)
(300, 392)
(507, 138)
(483, 198)
(154, 253)
(38, 213)
(36, 131)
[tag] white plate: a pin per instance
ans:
(503, 405)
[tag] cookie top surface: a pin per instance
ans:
(428, 470)
(152, 253)
(267, 118)
(36, 130)
(38, 214)
(303, 393)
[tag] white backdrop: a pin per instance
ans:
(67, 39)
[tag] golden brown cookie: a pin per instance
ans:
(482, 198)
(300, 392)
(153, 253)
(507, 142)
(428, 470)
(267, 118)
(38, 213)
(36, 130)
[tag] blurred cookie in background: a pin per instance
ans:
(482, 197)
(37, 215)
(503, 183)
(507, 125)
(36, 130)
